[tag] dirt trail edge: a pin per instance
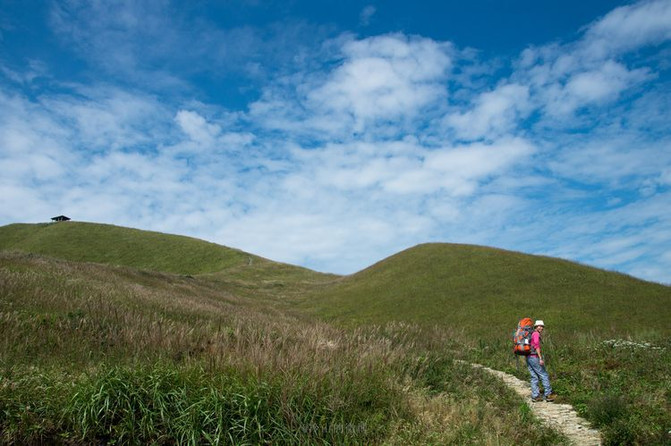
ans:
(560, 416)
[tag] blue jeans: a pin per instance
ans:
(538, 372)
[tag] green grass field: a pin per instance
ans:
(462, 285)
(88, 242)
(115, 335)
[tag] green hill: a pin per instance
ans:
(98, 354)
(104, 329)
(485, 289)
(114, 245)
(432, 284)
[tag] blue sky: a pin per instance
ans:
(333, 134)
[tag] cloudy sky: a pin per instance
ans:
(332, 134)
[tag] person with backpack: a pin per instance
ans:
(536, 366)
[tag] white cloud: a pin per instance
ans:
(364, 147)
(494, 113)
(600, 84)
(409, 168)
(585, 88)
(207, 139)
(467, 165)
(385, 77)
(616, 159)
(629, 27)
(107, 118)
(630, 238)
(159, 45)
(196, 127)
(567, 77)
(28, 202)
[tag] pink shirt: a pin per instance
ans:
(535, 343)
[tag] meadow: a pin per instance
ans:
(249, 351)
(608, 339)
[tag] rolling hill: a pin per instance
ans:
(163, 321)
(443, 284)
(114, 245)
(474, 286)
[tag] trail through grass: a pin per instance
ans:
(96, 354)
(364, 359)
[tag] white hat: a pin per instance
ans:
(539, 322)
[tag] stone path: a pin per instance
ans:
(560, 416)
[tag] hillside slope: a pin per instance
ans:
(222, 312)
(431, 284)
(481, 288)
(114, 245)
(99, 354)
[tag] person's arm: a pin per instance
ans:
(536, 343)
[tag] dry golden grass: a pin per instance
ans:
(65, 324)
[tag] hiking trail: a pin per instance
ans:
(559, 416)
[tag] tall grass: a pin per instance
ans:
(479, 293)
(621, 385)
(96, 354)
(166, 403)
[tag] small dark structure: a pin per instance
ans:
(60, 218)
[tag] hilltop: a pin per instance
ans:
(468, 286)
(121, 246)
(114, 245)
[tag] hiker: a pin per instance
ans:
(536, 366)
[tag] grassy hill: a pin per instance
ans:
(196, 339)
(432, 284)
(607, 339)
(114, 245)
(98, 354)
(486, 289)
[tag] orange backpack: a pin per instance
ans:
(522, 337)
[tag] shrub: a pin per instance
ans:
(606, 409)
(621, 432)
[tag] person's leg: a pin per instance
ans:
(545, 379)
(533, 365)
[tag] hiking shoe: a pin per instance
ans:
(551, 397)
(536, 399)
